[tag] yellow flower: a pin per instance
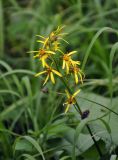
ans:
(55, 46)
(71, 99)
(67, 61)
(77, 72)
(43, 54)
(49, 72)
(55, 35)
(44, 41)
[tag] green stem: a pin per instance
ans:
(77, 107)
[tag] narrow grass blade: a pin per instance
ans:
(93, 41)
(1, 31)
(35, 144)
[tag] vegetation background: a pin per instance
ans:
(32, 123)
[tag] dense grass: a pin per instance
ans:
(33, 125)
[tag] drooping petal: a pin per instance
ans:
(52, 77)
(56, 72)
(67, 108)
(63, 66)
(64, 40)
(67, 93)
(81, 79)
(67, 67)
(75, 93)
(43, 62)
(76, 78)
(38, 74)
(60, 51)
(46, 80)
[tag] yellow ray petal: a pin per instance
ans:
(65, 103)
(76, 78)
(67, 108)
(67, 93)
(73, 52)
(36, 56)
(40, 41)
(61, 34)
(81, 79)
(56, 72)
(46, 80)
(78, 62)
(45, 42)
(60, 51)
(76, 93)
(52, 77)
(38, 74)
(67, 68)
(40, 36)
(63, 66)
(64, 40)
(32, 51)
(50, 52)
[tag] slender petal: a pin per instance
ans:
(76, 78)
(45, 42)
(80, 77)
(65, 103)
(50, 52)
(76, 93)
(67, 68)
(64, 40)
(36, 56)
(73, 52)
(40, 41)
(67, 93)
(32, 51)
(56, 72)
(38, 74)
(61, 34)
(52, 77)
(40, 36)
(46, 80)
(67, 108)
(63, 64)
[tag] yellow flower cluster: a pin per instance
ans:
(49, 51)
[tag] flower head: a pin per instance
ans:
(44, 41)
(70, 99)
(68, 62)
(49, 72)
(43, 54)
(77, 73)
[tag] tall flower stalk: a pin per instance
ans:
(56, 62)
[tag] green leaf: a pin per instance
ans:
(35, 144)
(29, 157)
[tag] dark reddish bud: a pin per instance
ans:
(85, 114)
